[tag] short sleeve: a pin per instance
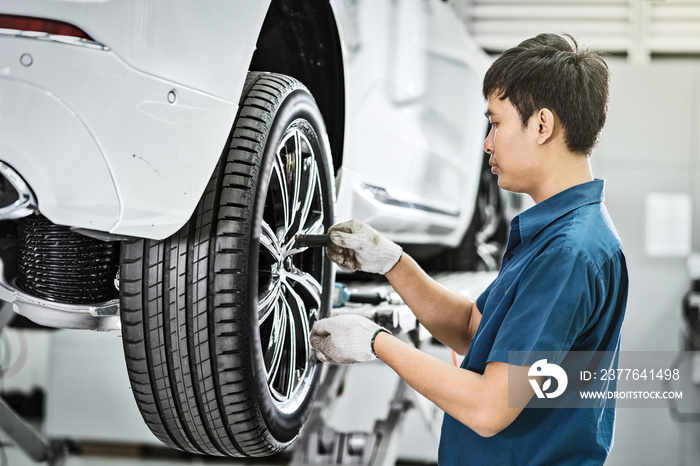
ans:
(551, 307)
(481, 300)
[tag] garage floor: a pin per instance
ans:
(128, 455)
(89, 404)
(12, 457)
(113, 454)
(16, 458)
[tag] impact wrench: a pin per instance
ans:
(312, 241)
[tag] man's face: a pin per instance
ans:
(511, 146)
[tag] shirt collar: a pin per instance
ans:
(536, 218)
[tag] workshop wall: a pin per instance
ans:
(651, 146)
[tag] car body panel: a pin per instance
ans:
(204, 45)
(159, 154)
(54, 176)
(412, 127)
(415, 121)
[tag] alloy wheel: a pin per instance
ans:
(290, 277)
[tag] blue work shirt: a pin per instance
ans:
(562, 287)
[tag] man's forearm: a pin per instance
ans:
(478, 401)
(444, 313)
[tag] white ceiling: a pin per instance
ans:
(639, 29)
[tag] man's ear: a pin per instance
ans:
(545, 125)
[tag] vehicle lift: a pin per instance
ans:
(25, 437)
(319, 444)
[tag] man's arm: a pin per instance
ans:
(450, 317)
(481, 402)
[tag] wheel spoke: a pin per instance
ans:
(294, 311)
(288, 349)
(269, 264)
(307, 288)
(286, 160)
(269, 244)
(280, 176)
(315, 225)
(307, 183)
(276, 343)
(267, 300)
(299, 337)
(295, 165)
(302, 181)
(311, 186)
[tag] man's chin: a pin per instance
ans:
(505, 185)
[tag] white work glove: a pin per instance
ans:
(345, 339)
(355, 246)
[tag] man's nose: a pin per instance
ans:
(488, 142)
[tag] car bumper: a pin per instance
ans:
(103, 145)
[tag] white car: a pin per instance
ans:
(159, 160)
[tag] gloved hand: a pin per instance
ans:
(345, 339)
(355, 246)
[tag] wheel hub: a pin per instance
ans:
(275, 270)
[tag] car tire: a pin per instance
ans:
(216, 318)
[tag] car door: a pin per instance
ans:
(415, 119)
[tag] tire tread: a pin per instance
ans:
(183, 304)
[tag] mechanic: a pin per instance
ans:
(562, 285)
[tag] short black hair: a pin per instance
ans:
(550, 71)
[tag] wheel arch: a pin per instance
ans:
(300, 39)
